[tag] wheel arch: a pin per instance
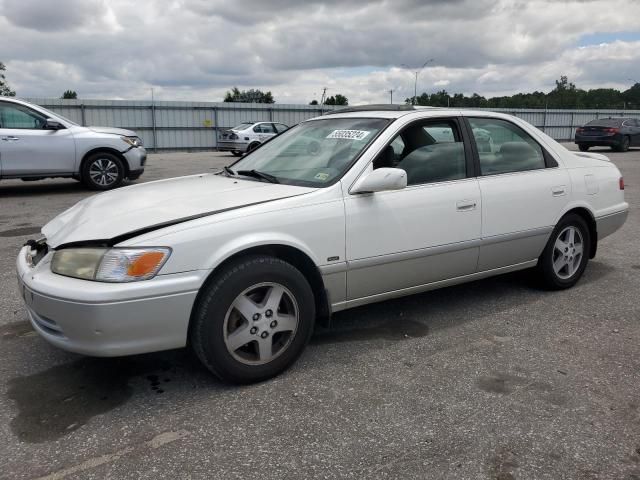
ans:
(289, 254)
(112, 151)
(590, 220)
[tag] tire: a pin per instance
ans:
(271, 339)
(624, 146)
(102, 171)
(134, 177)
(253, 146)
(583, 147)
(236, 153)
(563, 249)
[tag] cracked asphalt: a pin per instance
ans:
(494, 379)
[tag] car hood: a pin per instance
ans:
(114, 131)
(113, 216)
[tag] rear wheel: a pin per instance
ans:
(236, 153)
(624, 145)
(565, 257)
(102, 171)
(253, 146)
(583, 147)
(253, 320)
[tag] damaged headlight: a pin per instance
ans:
(110, 264)
(133, 141)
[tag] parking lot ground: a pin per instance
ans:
(494, 379)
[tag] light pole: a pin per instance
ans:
(416, 72)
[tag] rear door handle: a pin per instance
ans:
(10, 139)
(559, 191)
(465, 205)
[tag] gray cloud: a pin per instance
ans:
(196, 49)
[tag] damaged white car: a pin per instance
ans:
(342, 210)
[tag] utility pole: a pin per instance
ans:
(324, 93)
(391, 93)
(416, 73)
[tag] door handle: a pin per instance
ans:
(465, 205)
(10, 139)
(559, 191)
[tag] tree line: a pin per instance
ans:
(564, 95)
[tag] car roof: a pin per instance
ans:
(375, 111)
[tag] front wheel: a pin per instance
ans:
(565, 257)
(236, 153)
(583, 147)
(102, 171)
(253, 319)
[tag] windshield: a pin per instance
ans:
(314, 153)
(242, 126)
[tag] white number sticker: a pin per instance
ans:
(349, 134)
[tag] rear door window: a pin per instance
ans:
(503, 147)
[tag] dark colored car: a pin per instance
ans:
(617, 133)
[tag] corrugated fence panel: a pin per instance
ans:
(167, 125)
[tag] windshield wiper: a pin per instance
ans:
(258, 174)
(229, 172)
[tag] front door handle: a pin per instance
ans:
(465, 205)
(10, 139)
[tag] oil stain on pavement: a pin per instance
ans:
(61, 399)
(19, 232)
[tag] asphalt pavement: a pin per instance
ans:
(495, 379)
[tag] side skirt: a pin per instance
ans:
(336, 307)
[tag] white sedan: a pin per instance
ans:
(342, 210)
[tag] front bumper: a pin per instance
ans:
(226, 146)
(102, 319)
(136, 158)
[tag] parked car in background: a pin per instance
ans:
(36, 143)
(342, 210)
(248, 135)
(617, 133)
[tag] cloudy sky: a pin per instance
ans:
(198, 49)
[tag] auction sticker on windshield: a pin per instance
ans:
(349, 134)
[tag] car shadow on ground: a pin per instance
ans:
(41, 188)
(56, 401)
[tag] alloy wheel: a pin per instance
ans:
(103, 172)
(261, 323)
(568, 251)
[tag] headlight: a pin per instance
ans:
(133, 141)
(110, 264)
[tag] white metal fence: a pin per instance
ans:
(196, 125)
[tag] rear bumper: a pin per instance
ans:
(105, 320)
(233, 146)
(598, 141)
(608, 224)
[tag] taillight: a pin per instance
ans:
(579, 130)
(233, 136)
(621, 183)
(612, 130)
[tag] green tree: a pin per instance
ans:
(632, 97)
(5, 91)
(313, 102)
(248, 96)
(69, 95)
(337, 100)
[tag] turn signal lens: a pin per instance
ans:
(145, 264)
(131, 264)
(621, 183)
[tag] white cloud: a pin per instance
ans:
(197, 49)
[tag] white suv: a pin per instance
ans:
(36, 143)
(248, 135)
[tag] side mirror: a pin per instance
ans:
(51, 124)
(380, 180)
